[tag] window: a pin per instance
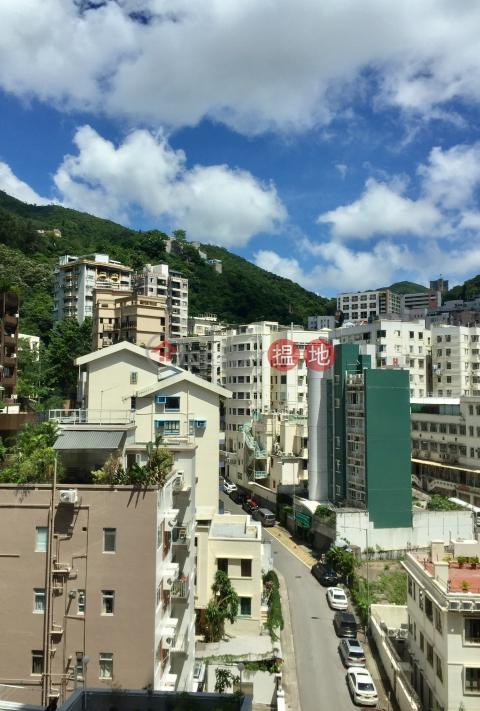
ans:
(109, 540)
(429, 608)
(452, 429)
(472, 678)
(410, 586)
(414, 425)
(430, 654)
(172, 403)
(433, 426)
(422, 641)
(106, 666)
(37, 662)
(438, 665)
(81, 602)
(245, 607)
(337, 402)
(470, 409)
(167, 542)
(438, 620)
(222, 564)
(283, 380)
(172, 427)
(133, 378)
(449, 365)
(412, 334)
(246, 568)
(39, 600)
(42, 538)
(439, 351)
(108, 597)
(472, 630)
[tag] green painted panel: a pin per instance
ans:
(387, 445)
(303, 520)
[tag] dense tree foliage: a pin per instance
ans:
(222, 606)
(32, 457)
(442, 503)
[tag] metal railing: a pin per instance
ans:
(181, 534)
(261, 475)
(88, 417)
(251, 443)
(179, 644)
(180, 588)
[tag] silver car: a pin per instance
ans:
(352, 653)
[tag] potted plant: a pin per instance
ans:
(448, 559)
(465, 585)
(461, 560)
(474, 562)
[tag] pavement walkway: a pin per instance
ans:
(297, 547)
(289, 666)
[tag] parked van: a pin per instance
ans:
(266, 517)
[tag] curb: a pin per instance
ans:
(289, 669)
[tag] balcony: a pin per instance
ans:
(108, 327)
(181, 534)
(88, 417)
(179, 644)
(180, 589)
(9, 340)
(355, 480)
(11, 320)
(260, 475)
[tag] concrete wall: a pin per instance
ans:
(261, 684)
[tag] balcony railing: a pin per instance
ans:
(179, 588)
(261, 475)
(88, 417)
(181, 534)
(179, 644)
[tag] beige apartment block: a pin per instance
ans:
(361, 305)
(74, 281)
(120, 317)
(106, 572)
(456, 360)
(202, 355)
(124, 386)
(444, 626)
(232, 544)
(160, 280)
(446, 446)
(406, 344)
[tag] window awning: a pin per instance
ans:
(89, 439)
(430, 462)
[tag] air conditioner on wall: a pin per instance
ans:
(68, 496)
(392, 631)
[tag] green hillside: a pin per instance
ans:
(471, 286)
(242, 293)
(406, 287)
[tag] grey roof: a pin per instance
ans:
(89, 439)
(230, 530)
(252, 647)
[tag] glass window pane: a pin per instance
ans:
(42, 538)
(109, 540)
(106, 666)
(245, 606)
(39, 600)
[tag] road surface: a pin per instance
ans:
(321, 675)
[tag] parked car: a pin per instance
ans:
(229, 487)
(362, 687)
(238, 497)
(266, 517)
(325, 574)
(345, 624)
(249, 506)
(352, 653)
(337, 599)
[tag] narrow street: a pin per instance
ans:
(320, 672)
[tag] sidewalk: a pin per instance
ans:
(289, 666)
(294, 545)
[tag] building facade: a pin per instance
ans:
(408, 345)
(136, 319)
(159, 280)
(444, 626)
(429, 300)
(87, 572)
(445, 441)
(362, 305)
(74, 281)
(9, 306)
(456, 360)
(319, 323)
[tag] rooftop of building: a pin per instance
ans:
(227, 526)
(449, 567)
(141, 700)
(247, 648)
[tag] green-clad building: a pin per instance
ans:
(370, 463)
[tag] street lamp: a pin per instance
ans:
(85, 661)
(240, 668)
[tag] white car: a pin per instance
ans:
(362, 687)
(229, 487)
(337, 599)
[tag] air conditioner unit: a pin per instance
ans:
(454, 605)
(182, 533)
(177, 484)
(392, 631)
(68, 496)
(167, 640)
(403, 634)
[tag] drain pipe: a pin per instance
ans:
(48, 597)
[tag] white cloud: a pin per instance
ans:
(213, 203)
(17, 188)
(342, 169)
(445, 208)
(253, 65)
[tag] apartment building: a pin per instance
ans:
(232, 544)
(142, 320)
(445, 434)
(99, 571)
(258, 387)
(160, 280)
(456, 360)
(202, 355)
(203, 325)
(439, 284)
(429, 300)
(319, 323)
(74, 281)
(9, 306)
(362, 305)
(370, 447)
(408, 345)
(443, 604)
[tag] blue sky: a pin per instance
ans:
(334, 144)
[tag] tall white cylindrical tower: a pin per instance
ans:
(318, 434)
